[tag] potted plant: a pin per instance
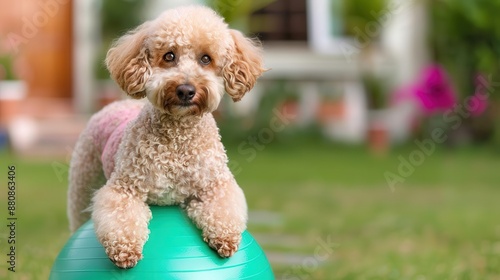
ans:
(12, 90)
(378, 114)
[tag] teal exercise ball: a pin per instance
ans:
(174, 250)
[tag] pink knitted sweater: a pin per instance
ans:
(109, 132)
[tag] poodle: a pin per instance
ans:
(166, 150)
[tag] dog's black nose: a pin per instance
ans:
(185, 92)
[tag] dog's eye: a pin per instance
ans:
(205, 59)
(169, 57)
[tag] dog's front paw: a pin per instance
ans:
(126, 260)
(124, 256)
(225, 246)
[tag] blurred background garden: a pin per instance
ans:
(370, 150)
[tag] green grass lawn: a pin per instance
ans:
(441, 223)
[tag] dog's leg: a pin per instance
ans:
(85, 177)
(221, 214)
(121, 219)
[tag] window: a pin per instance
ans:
(282, 20)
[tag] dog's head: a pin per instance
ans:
(184, 60)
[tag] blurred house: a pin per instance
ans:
(51, 47)
(36, 88)
(305, 46)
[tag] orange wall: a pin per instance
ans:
(39, 34)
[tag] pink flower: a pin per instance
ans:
(434, 90)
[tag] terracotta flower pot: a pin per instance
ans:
(378, 139)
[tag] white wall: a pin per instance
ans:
(156, 7)
(404, 39)
(86, 44)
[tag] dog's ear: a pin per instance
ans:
(127, 61)
(244, 66)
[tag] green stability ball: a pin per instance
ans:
(174, 250)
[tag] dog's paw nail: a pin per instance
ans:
(225, 247)
(126, 264)
(126, 260)
(226, 253)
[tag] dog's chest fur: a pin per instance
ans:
(178, 157)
